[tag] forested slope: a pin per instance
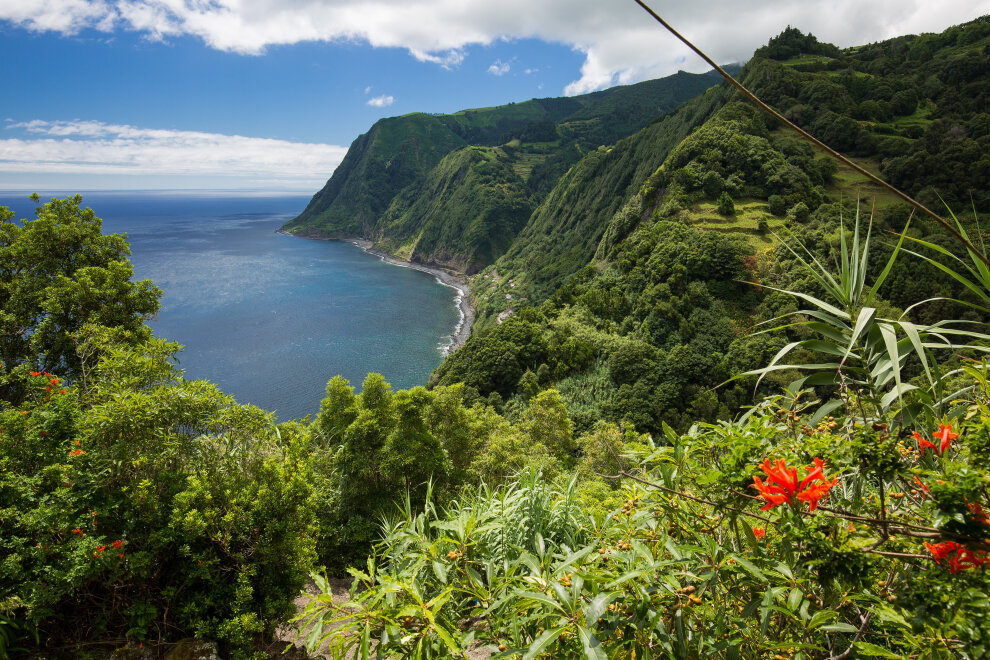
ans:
(386, 189)
(624, 290)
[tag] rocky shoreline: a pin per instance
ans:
(463, 329)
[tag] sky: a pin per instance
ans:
(268, 94)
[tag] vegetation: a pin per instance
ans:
(483, 170)
(712, 406)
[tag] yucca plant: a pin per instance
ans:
(864, 354)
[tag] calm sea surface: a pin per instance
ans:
(270, 318)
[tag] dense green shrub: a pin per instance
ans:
(134, 503)
(158, 503)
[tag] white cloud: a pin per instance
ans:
(367, 90)
(620, 42)
(529, 72)
(381, 101)
(94, 148)
(499, 68)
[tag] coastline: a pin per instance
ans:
(463, 301)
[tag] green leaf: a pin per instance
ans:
(821, 617)
(750, 567)
(594, 610)
(840, 628)
(366, 642)
(865, 648)
(542, 642)
(592, 647)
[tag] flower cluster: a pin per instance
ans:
(944, 437)
(52, 382)
(960, 557)
(783, 487)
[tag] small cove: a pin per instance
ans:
(269, 317)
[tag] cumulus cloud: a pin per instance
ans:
(381, 101)
(620, 43)
(499, 68)
(95, 148)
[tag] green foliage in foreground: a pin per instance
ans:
(856, 528)
(691, 566)
(140, 504)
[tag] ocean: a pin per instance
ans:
(271, 318)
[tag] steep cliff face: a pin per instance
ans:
(455, 190)
(467, 212)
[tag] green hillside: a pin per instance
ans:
(636, 255)
(466, 212)
(384, 189)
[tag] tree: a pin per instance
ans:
(777, 205)
(59, 273)
(726, 206)
(799, 212)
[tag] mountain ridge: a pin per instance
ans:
(377, 192)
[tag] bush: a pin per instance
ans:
(160, 504)
(726, 206)
(799, 212)
(777, 205)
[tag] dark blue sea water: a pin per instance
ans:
(270, 318)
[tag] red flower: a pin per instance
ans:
(944, 436)
(120, 554)
(759, 532)
(922, 443)
(783, 487)
(960, 557)
(76, 452)
(78, 532)
(978, 514)
(35, 374)
(118, 544)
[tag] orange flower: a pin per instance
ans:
(759, 532)
(782, 484)
(78, 532)
(118, 544)
(35, 374)
(944, 436)
(960, 557)
(922, 443)
(978, 514)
